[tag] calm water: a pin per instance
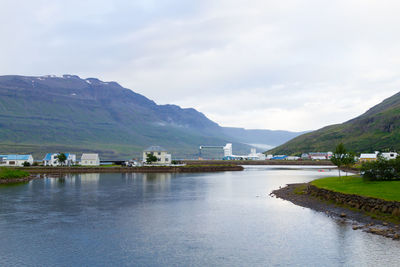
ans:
(212, 219)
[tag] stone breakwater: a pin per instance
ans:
(262, 162)
(145, 169)
(368, 204)
(17, 180)
(326, 201)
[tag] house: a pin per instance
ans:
(320, 155)
(162, 156)
(15, 160)
(292, 158)
(51, 159)
(389, 155)
(90, 159)
(305, 156)
(366, 157)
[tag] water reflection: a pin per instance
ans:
(211, 219)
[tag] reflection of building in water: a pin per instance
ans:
(150, 181)
(53, 181)
(81, 180)
(87, 178)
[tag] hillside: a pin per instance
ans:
(50, 114)
(376, 129)
(39, 114)
(259, 137)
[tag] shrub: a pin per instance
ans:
(381, 170)
(26, 164)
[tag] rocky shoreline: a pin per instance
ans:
(144, 169)
(263, 162)
(17, 180)
(367, 221)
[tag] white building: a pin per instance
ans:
(162, 155)
(228, 150)
(261, 156)
(319, 155)
(389, 155)
(15, 160)
(51, 159)
(256, 156)
(364, 157)
(292, 158)
(269, 156)
(90, 159)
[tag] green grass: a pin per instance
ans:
(387, 190)
(6, 173)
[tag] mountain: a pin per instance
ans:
(260, 138)
(376, 129)
(52, 114)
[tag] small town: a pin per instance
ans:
(200, 133)
(158, 156)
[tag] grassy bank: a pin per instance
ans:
(387, 190)
(6, 173)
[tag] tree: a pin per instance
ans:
(61, 157)
(151, 158)
(339, 156)
(26, 164)
(349, 160)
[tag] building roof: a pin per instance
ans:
(87, 156)
(16, 157)
(155, 149)
(48, 155)
(279, 157)
(368, 156)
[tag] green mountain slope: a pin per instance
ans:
(51, 114)
(376, 129)
(46, 114)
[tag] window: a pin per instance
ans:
(159, 153)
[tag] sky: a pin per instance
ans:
(287, 65)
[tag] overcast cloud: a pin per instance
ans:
(292, 65)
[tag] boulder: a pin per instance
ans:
(396, 212)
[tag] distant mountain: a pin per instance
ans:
(52, 114)
(261, 138)
(376, 129)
